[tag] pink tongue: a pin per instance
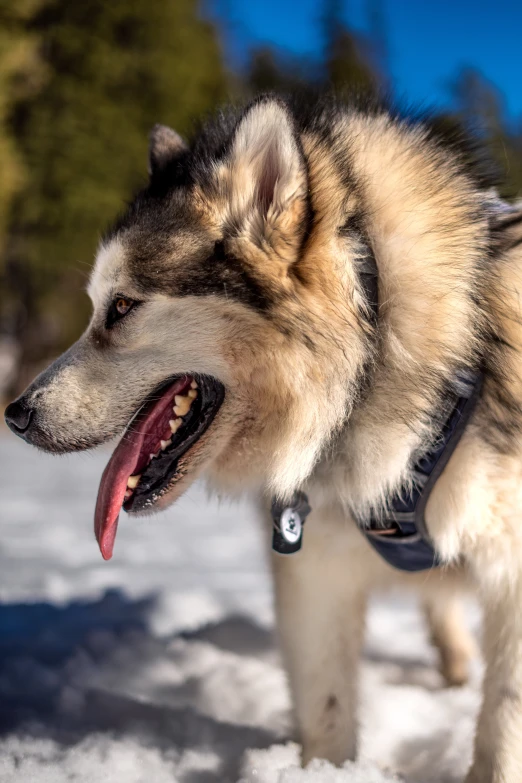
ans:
(130, 455)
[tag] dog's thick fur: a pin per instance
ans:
(246, 250)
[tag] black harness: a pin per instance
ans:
(400, 536)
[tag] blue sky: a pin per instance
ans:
(428, 40)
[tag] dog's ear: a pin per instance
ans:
(165, 147)
(267, 178)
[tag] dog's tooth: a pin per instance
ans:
(182, 405)
(133, 481)
(153, 456)
(128, 494)
(175, 424)
(165, 443)
(193, 385)
(192, 393)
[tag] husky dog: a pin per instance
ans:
(233, 336)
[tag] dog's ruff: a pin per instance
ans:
(245, 262)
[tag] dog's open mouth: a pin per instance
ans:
(155, 451)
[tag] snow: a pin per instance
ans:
(161, 665)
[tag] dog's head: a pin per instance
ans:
(222, 307)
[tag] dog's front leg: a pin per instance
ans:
(498, 741)
(320, 605)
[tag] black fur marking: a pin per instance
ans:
(509, 222)
(501, 238)
(194, 267)
(516, 243)
(365, 265)
(448, 133)
(354, 224)
(223, 274)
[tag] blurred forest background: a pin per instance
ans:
(81, 84)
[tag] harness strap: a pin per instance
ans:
(401, 537)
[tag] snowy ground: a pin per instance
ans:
(161, 665)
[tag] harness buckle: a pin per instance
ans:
(288, 520)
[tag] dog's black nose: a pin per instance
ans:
(18, 417)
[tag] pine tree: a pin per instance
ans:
(480, 106)
(113, 69)
(269, 71)
(348, 57)
(19, 70)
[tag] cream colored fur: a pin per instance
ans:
(296, 414)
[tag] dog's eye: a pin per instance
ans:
(119, 308)
(122, 306)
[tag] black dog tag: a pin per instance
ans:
(288, 521)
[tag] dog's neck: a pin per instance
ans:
(430, 249)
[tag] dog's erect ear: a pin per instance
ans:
(267, 178)
(165, 146)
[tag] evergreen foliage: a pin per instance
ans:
(20, 74)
